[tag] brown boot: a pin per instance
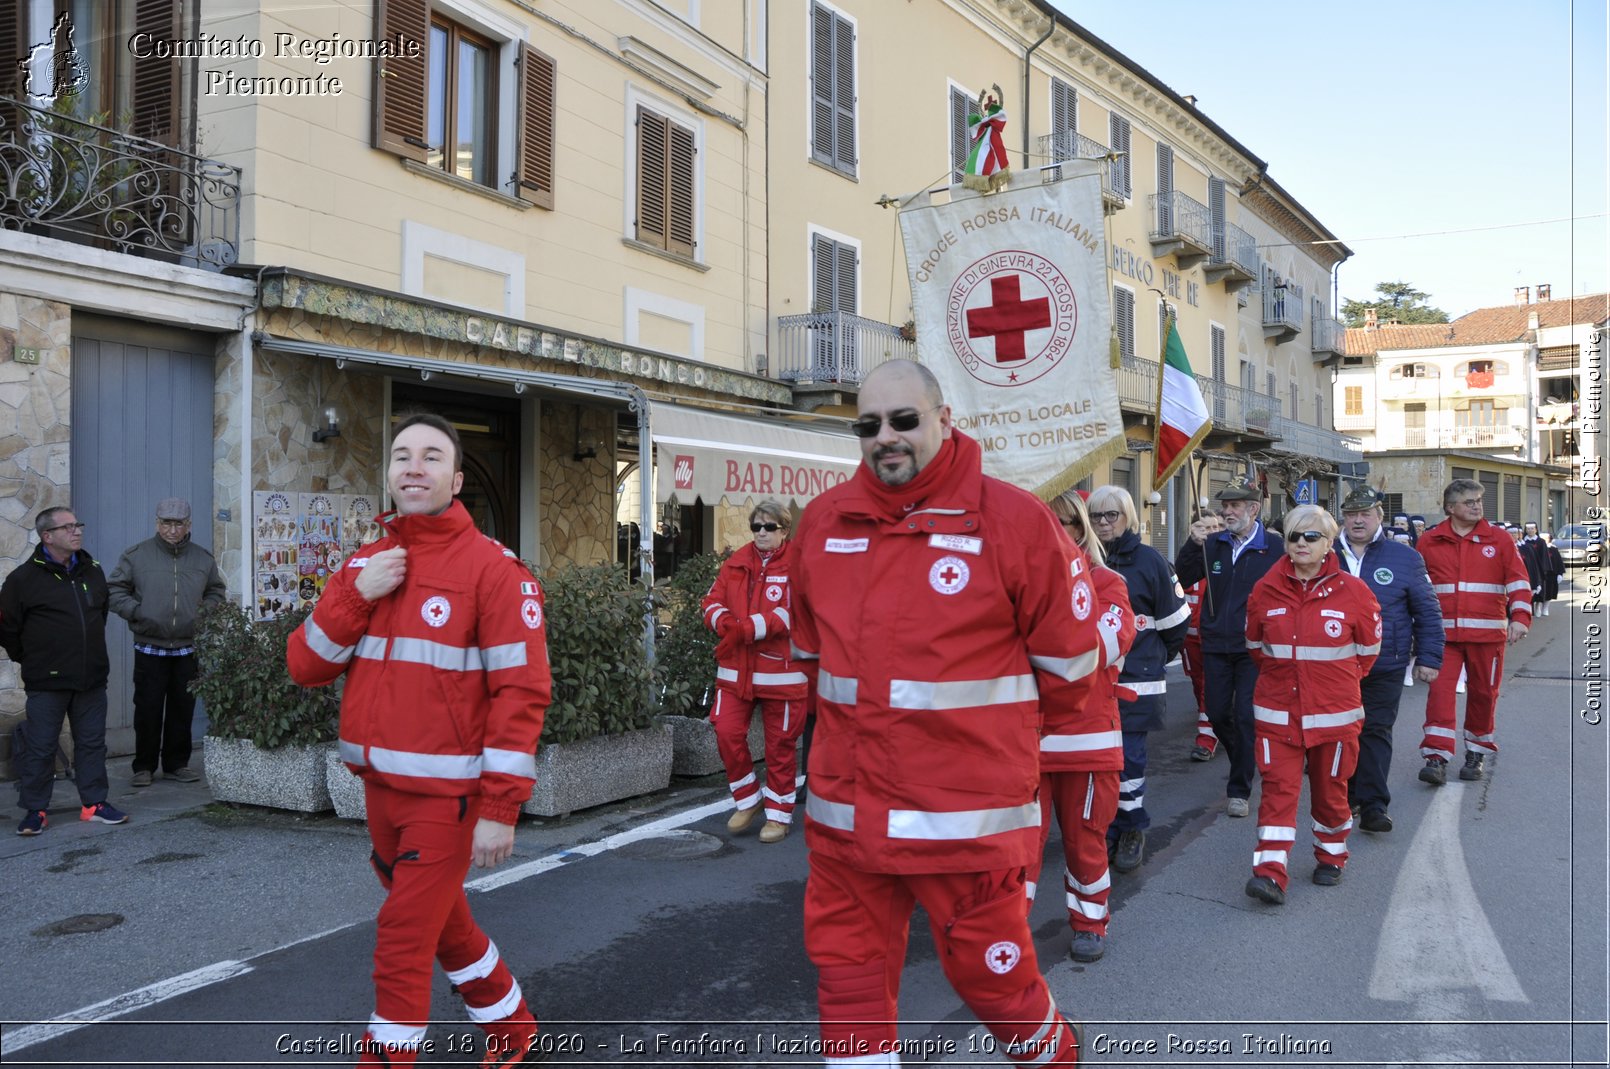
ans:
(742, 818)
(773, 832)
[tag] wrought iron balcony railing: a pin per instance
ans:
(1329, 336)
(836, 347)
(1177, 217)
(1235, 256)
(1067, 145)
(1282, 309)
(1310, 440)
(62, 177)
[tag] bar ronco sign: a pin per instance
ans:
(765, 479)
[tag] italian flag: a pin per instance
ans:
(1182, 415)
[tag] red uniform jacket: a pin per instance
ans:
(933, 607)
(1193, 598)
(1313, 643)
(1479, 579)
(1088, 736)
(758, 597)
(447, 676)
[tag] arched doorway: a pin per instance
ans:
(489, 428)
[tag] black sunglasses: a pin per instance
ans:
(1306, 536)
(869, 426)
(759, 527)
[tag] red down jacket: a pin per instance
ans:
(759, 595)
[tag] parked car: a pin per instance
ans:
(1581, 543)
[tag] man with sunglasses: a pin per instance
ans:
(931, 597)
(1232, 560)
(158, 586)
(1486, 599)
(53, 624)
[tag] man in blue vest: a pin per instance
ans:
(1232, 561)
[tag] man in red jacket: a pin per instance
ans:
(439, 630)
(1486, 597)
(933, 597)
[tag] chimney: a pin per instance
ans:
(1370, 320)
(1523, 295)
(1531, 321)
(1543, 291)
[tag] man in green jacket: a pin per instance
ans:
(158, 586)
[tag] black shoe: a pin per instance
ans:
(1375, 820)
(1266, 890)
(1435, 772)
(1126, 856)
(1328, 875)
(1087, 947)
(1201, 753)
(1472, 769)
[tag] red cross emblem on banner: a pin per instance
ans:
(1011, 317)
(1008, 317)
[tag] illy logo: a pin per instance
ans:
(684, 472)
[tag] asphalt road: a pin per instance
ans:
(1473, 934)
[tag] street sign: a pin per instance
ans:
(1307, 491)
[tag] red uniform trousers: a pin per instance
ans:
(1085, 804)
(1191, 656)
(1485, 664)
(856, 927)
(1280, 764)
(422, 848)
(783, 721)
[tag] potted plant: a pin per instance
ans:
(267, 737)
(600, 740)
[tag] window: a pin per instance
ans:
(1064, 121)
(835, 276)
(1479, 374)
(665, 183)
(1118, 141)
(1353, 400)
(1479, 414)
(1165, 189)
(1216, 338)
(1294, 401)
(960, 105)
(1415, 371)
(447, 109)
(832, 89)
(1123, 322)
(1269, 383)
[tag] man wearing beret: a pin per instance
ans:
(158, 586)
(1411, 623)
(1232, 560)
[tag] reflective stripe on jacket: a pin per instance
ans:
(1088, 736)
(1479, 579)
(758, 596)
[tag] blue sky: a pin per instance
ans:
(1392, 119)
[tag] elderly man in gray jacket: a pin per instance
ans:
(159, 586)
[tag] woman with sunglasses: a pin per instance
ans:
(749, 606)
(1082, 751)
(1314, 630)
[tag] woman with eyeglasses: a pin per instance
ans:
(1082, 751)
(1314, 630)
(749, 606)
(1161, 617)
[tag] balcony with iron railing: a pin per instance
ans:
(836, 347)
(1329, 337)
(1477, 437)
(1235, 258)
(1309, 440)
(1283, 307)
(1181, 226)
(1067, 145)
(61, 177)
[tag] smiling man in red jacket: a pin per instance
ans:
(932, 597)
(439, 630)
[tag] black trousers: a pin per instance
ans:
(1381, 691)
(1228, 680)
(163, 709)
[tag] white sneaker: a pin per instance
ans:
(1237, 807)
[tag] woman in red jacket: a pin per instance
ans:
(749, 606)
(1082, 750)
(1314, 631)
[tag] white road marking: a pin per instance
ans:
(119, 1005)
(1436, 940)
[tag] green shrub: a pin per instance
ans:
(684, 656)
(242, 678)
(595, 648)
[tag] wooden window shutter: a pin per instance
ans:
(1064, 121)
(1165, 189)
(13, 46)
(1216, 216)
(400, 81)
(651, 178)
(960, 104)
(822, 104)
(680, 190)
(1123, 316)
(156, 97)
(1118, 136)
(822, 268)
(537, 99)
(845, 298)
(843, 94)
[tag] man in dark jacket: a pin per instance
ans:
(1411, 623)
(53, 624)
(1233, 560)
(158, 587)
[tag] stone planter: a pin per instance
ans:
(578, 775)
(291, 777)
(693, 745)
(346, 789)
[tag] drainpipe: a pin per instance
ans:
(1049, 30)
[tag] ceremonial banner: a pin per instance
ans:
(1009, 294)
